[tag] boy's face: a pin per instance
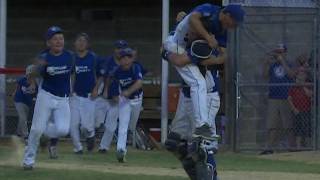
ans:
(228, 22)
(126, 62)
(81, 44)
(56, 42)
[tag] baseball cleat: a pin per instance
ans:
(27, 167)
(121, 156)
(204, 132)
(103, 151)
(79, 152)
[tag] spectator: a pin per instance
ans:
(279, 74)
(300, 102)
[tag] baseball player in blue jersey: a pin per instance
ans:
(128, 77)
(110, 93)
(85, 90)
(23, 97)
(208, 22)
(55, 67)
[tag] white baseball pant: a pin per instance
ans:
(129, 110)
(47, 105)
(111, 123)
(192, 76)
(82, 118)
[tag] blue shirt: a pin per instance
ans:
(23, 93)
(107, 66)
(277, 74)
(212, 13)
(56, 79)
(126, 78)
(85, 74)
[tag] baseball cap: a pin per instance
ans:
(235, 11)
(126, 52)
(121, 44)
(52, 31)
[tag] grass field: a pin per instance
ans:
(146, 165)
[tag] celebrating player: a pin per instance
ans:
(110, 94)
(55, 67)
(85, 90)
(206, 22)
(128, 77)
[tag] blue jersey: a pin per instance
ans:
(143, 70)
(85, 74)
(211, 13)
(126, 78)
(57, 76)
(277, 74)
(107, 66)
(23, 93)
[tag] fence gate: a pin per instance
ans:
(264, 117)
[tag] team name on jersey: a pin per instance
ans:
(56, 70)
(82, 69)
(125, 82)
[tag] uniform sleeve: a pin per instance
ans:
(205, 9)
(137, 73)
(143, 70)
(20, 81)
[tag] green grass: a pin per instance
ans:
(241, 162)
(15, 173)
(136, 158)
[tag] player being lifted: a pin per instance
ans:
(54, 65)
(208, 22)
(216, 21)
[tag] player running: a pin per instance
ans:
(111, 64)
(85, 90)
(208, 22)
(54, 65)
(128, 77)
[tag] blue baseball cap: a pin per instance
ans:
(121, 44)
(235, 11)
(52, 31)
(126, 52)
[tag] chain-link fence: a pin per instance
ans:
(276, 79)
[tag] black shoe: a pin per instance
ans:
(90, 144)
(121, 156)
(266, 152)
(80, 152)
(204, 132)
(27, 167)
(102, 151)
